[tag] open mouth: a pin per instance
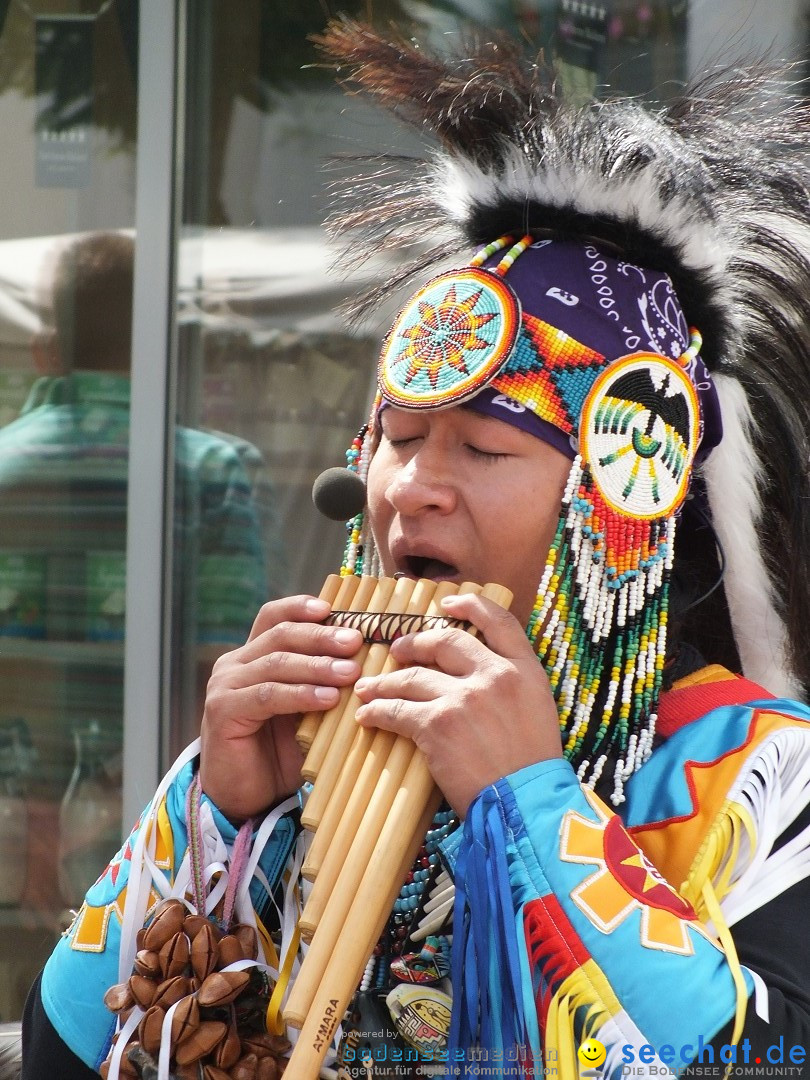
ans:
(420, 566)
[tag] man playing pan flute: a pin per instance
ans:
(607, 395)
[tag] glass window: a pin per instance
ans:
(67, 110)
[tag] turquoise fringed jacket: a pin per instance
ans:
(572, 920)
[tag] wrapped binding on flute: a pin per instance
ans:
(373, 799)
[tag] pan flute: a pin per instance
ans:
(372, 800)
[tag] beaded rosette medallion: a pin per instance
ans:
(450, 340)
(631, 420)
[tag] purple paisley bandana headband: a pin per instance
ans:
(609, 307)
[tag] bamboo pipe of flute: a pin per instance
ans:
(414, 789)
(320, 726)
(339, 592)
(346, 860)
(362, 767)
(339, 875)
(412, 839)
(367, 914)
(343, 736)
(303, 1064)
(382, 591)
(371, 805)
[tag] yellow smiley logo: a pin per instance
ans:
(592, 1053)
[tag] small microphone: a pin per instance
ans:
(339, 494)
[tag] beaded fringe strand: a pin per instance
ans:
(580, 601)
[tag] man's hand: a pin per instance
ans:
(290, 664)
(478, 709)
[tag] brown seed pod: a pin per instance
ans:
(119, 998)
(126, 1068)
(189, 1072)
(230, 951)
(204, 952)
(167, 921)
(174, 955)
(281, 1045)
(263, 1043)
(229, 1050)
(192, 924)
(222, 987)
(211, 1072)
(140, 937)
(137, 1060)
(150, 1028)
(267, 1069)
(245, 1068)
(248, 939)
(147, 963)
(143, 990)
(200, 1042)
(171, 991)
(185, 1020)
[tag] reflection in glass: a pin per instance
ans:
(89, 813)
(68, 114)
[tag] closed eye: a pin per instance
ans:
(398, 443)
(487, 455)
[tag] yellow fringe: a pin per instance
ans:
(708, 883)
(270, 954)
(727, 941)
(585, 988)
(718, 855)
(274, 1021)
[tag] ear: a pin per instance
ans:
(45, 352)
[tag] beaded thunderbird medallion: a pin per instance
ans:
(639, 433)
(450, 339)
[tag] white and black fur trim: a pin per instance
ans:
(713, 190)
(733, 476)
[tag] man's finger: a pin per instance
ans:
(289, 609)
(393, 714)
(454, 652)
(254, 704)
(415, 683)
(496, 626)
(294, 668)
(310, 638)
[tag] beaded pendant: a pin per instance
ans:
(600, 620)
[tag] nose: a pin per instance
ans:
(425, 482)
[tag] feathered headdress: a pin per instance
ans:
(711, 191)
